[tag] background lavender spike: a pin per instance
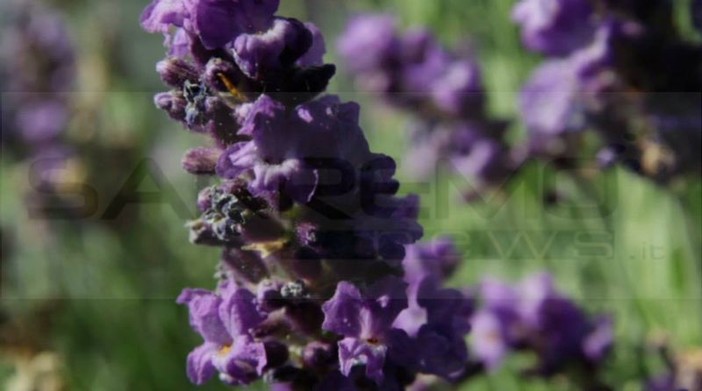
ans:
(534, 317)
(443, 89)
(619, 72)
(38, 74)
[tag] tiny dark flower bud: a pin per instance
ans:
(246, 265)
(201, 160)
(172, 103)
(204, 199)
(176, 71)
(203, 233)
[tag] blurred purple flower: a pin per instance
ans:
(443, 89)
(555, 27)
(534, 316)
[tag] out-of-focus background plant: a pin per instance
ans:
(94, 250)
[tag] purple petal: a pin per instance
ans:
(369, 42)
(488, 342)
(160, 15)
(554, 27)
(599, 343)
(241, 363)
(215, 22)
(441, 355)
(385, 299)
(447, 308)
(497, 295)
(353, 351)
(548, 101)
(204, 314)
(200, 368)
(284, 43)
(315, 54)
(178, 43)
(459, 89)
(239, 311)
(291, 177)
(436, 258)
(236, 160)
(341, 311)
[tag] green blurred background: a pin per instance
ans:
(98, 293)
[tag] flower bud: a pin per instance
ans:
(176, 71)
(201, 160)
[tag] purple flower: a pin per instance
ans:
(436, 318)
(42, 121)
(216, 22)
(412, 69)
(458, 90)
(554, 27)
(448, 314)
(425, 68)
(38, 69)
(160, 15)
(316, 52)
(495, 324)
(549, 100)
(488, 339)
(283, 44)
(599, 342)
(369, 43)
(483, 159)
(286, 144)
(225, 321)
(558, 320)
(437, 258)
(534, 316)
(444, 89)
(365, 320)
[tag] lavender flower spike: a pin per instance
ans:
(442, 88)
(311, 228)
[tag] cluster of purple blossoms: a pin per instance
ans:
(621, 69)
(535, 317)
(38, 73)
(320, 284)
(444, 91)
